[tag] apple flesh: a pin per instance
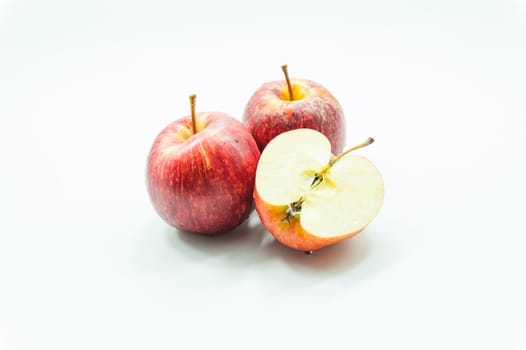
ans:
(203, 182)
(270, 112)
(307, 198)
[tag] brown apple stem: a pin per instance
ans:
(192, 111)
(285, 70)
(361, 145)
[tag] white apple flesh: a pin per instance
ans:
(307, 198)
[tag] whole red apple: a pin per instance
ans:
(200, 172)
(280, 106)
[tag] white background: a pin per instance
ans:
(86, 263)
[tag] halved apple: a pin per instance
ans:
(307, 198)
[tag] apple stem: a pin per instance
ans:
(285, 70)
(361, 145)
(192, 111)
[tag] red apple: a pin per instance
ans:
(200, 172)
(280, 106)
(308, 198)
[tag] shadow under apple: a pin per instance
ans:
(251, 243)
(241, 245)
(339, 257)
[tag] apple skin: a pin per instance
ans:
(269, 112)
(203, 183)
(291, 234)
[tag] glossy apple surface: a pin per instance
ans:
(307, 198)
(203, 182)
(270, 112)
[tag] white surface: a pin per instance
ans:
(85, 263)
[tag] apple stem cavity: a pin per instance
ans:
(354, 148)
(285, 70)
(192, 111)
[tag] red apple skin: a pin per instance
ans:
(203, 183)
(269, 112)
(291, 233)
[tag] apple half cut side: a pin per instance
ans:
(307, 198)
